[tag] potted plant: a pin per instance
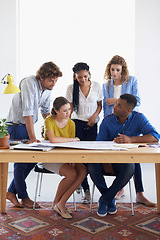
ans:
(4, 135)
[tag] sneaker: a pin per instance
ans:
(112, 207)
(78, 190)
(102, 208)
(87, 197)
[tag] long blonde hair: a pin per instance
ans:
(125, 73)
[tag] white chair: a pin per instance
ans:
(41, 170)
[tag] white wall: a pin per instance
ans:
(67, 32)
(8, 55)
(147, 52)
(147, 57)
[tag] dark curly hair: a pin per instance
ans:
(77, 68)
(120, 61)
(48, 70)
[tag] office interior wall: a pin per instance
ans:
(67, 32)
(147, 57)
(146, 51)
(8, 49)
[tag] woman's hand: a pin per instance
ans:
(76, 139)
(33, 140)
(92, 120)
(111, 101)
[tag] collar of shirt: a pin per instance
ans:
(127, 120)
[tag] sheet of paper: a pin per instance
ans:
(127, 145)
(94, 145)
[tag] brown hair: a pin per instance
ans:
(48, 70)
(116, 60)
(57, 104)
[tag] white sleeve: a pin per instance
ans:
(98, 91)
(69, 93)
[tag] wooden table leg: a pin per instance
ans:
(157, 165)
(3, 185)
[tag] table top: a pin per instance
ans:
(141, 155)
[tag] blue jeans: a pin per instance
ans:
(138, 178)
(21, 170)
(85, 133)
(123, 171)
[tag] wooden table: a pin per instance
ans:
(138, 155)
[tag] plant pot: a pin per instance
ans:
(4, 141)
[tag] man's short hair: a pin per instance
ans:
(130, 99)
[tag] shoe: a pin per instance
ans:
(119, 194)
(145, 202)
(112, 207)
(78, 190)
(67, 210)
(63, 215)
(102, 208)
(86, 199)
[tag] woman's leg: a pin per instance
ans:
(73, 178)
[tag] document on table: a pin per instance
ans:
(93, 145)
(34, 147)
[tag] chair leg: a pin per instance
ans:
(40, 186)
(35, 197)
(131, 198)
(81, 190)
(74, 200)
(92, 195)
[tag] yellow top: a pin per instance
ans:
(67, 131)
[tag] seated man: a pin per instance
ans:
(123, 126)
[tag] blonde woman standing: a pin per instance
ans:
(118, 82)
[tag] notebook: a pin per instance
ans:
(38, 147)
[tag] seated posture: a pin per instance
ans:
(58, 127)
(123, 126)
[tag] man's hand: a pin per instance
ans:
(33, 140)
(122, 139)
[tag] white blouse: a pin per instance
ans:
(87, 105)
(117, 91)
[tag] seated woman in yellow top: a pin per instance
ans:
(58, 127)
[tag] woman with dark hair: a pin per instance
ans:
(58, 127)
(85, 98)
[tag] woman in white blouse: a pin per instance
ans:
(85, 98)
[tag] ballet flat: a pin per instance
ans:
(68, 210)
(63, 215)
